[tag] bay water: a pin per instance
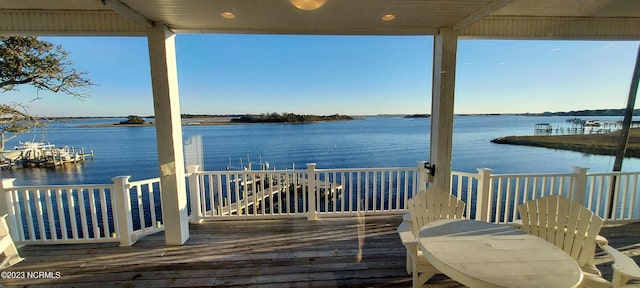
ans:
(369, 141)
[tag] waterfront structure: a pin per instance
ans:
(447, 21)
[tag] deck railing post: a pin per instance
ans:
(579, 190)
(120, 194)
(193, 173)
(483, 196)
(6, 206)
(311, 189)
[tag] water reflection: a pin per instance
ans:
(65, 174)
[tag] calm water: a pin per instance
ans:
(370, 142)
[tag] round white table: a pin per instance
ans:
(481, 254)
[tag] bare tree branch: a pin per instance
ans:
(41, 64)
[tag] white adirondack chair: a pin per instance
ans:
(7, 246)
(426, 206)
(574, 228)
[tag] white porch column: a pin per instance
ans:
(445, 44)
(166, 105)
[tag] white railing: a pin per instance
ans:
(146, 204)
(490, 197)
(124, 211)
(307, 193)
(63, 214)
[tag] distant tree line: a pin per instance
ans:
(133, 120)
(288, 118)
(189, 116)
(418, 116)
(598, 112)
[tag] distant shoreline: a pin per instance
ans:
(598, 144)
(591, 113)
(198, 121)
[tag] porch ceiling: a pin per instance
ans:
(587, 19)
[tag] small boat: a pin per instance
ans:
(592, 123)
(11, 155)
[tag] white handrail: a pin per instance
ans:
(507, 191)
(300, 193)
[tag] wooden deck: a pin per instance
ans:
(364, 252)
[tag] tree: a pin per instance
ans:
(133, 119)
(13, 120)
(41, 64)
(28, 61)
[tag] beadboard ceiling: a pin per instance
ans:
(594, 19)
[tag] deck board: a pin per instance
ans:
(346, 252)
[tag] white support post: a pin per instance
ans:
(311, 186)
(166, 102)
(483, 196)
(444, 70)
(579, 191)
(6, 206)
(122, 198)
(194, 193)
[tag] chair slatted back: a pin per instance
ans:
(430, 205)
(565, 223)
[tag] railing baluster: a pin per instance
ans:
(516, 200)
(634, 192)
(138, 189)
(152, 206)
(507, 200)
(359, 200)
(616, 199)
(39, 214)
(52, 221)
(26, 195)
(469, 196)
(218, 207)
(396, 180)
(105, 215)
(498, 200)
(590, 194)
(388, 188)
(94, 214)
(83, 214)
(16, 202)
(406, 189)
(600, 194)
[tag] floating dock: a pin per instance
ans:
(36, 154)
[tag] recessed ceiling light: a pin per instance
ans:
(308, 5)
(228, 15)
(388, 17)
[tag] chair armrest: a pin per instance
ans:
(407, 238)
(624, 268)
(600, 240)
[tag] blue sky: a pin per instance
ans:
(356, 75)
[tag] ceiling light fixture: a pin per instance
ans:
(228, 15)
(308, 5)
(388, 17)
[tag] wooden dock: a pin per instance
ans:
(257, 200)
(53, 157)
(250, 200)
(345, 252)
